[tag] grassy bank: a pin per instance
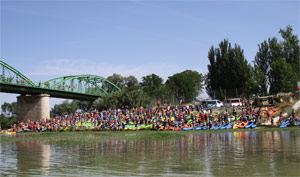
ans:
(91, 137)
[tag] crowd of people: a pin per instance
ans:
(153, 118)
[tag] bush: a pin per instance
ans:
(7, 122)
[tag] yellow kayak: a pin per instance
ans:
(8, 133)
(236, 126)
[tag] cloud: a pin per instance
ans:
(65, 67)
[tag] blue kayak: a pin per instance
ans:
(224, 126)
(249, 125)
(187, 128)
(254, 125)
(283, 125)
(218, 127)
(215, 126)
(229, 126)
(201, 128)
(198, 128)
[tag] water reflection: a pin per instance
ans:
(33, 158)
(226, 154)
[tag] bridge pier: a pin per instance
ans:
(34, 107)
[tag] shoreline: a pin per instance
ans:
(94, 137)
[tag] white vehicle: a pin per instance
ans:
(233, 102)
(212, 103)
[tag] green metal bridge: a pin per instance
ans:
(81, 87)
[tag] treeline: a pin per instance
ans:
(182, 86)
(276, 68)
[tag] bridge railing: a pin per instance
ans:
(13, 80)
(19, 82)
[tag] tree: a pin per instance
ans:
(152, 84)
(257, 82)
(9, 108)
(228, 69)
(131, 82)
(186, 84)
(83, 105)
(123, 98)
(65, 107)
(117, 79)
(282, 77)
(271, 53)
(291, 49)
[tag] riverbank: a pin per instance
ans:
(93, 137)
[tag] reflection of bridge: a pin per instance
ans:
(82, 87)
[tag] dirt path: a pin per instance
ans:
(276, 119)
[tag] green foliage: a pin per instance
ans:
(131, 82)
(83, 105)
(186, 84)
(10, 108)
(282, 77)
(257, 82)
(117, 79)
(291, 49)
(152, 85)
(228, 69)
(65, 107)
(221, 97)
(6, 122)
(269, 58)
(123, 98)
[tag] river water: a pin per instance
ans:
(254, 153)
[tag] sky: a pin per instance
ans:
(48, 39)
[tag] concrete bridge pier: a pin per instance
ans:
(34, 107)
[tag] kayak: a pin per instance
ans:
(198, 128)
(230, 126)
(171, 128)
(177, 129)
(224, 126)
(284, 125)
(254, 125)
(187, 128)
(8, 133)
(215, 126)
(243, 124)
(249, 125)
(236, 126)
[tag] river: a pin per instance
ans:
(253, 153)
